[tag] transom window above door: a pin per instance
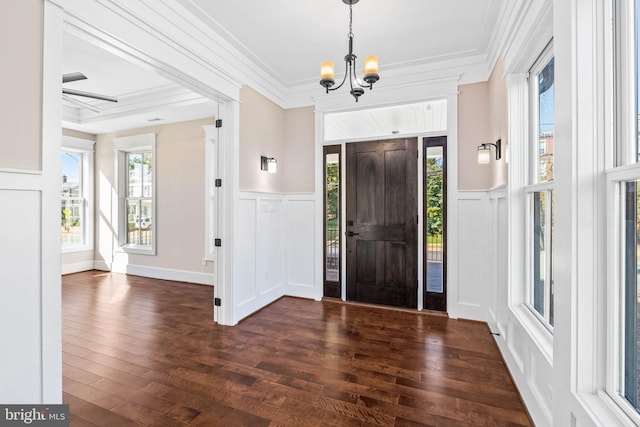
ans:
(423, 117)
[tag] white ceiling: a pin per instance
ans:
(292, 38)
(144, 97)
(288, 39)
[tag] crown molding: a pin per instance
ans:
(166, 36)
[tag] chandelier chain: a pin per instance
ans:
(350, 20)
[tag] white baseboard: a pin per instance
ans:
(255, 303)
(101, 265)
(300, 290)
(77, 267)
(467, 311)
(162, 273)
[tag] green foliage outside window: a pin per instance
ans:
(333, 186)
(433, 200)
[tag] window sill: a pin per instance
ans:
(603, 410)
(137, 249)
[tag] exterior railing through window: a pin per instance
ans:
(140, 236)
(434, 248)
(333, 250)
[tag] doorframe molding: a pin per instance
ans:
(118, 29)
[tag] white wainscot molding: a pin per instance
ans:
(274, 253)
(300, 247)
(20, 265)
(258, 252)
(468, 286)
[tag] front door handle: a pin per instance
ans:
(351, 234)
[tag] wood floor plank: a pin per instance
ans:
(139, 351)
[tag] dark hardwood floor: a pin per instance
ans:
(144, 351)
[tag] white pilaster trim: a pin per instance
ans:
(51, 292)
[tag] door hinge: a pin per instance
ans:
(217, 302)
(218, 182)
(219, 123)
(217, 242)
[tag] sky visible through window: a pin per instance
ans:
(546, 83)
(71, 166)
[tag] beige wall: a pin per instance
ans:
(482, 118)
(262, 133)
(180, 219)
(298, 163)
(288, 135)
(498, 114)
(21, 69)
(473, 130)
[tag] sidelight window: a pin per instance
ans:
(332, 207)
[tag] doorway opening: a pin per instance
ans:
(435, 223)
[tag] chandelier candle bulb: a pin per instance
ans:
(327, 74)
(371, 69)
(326, 70)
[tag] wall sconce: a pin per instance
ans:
(268, 164)
(484, 152)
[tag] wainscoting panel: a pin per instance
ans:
(498, 259)
(245, 255)
(472, 256)
(300, 244)
(21, 302)
(270, 246)
(258, 253)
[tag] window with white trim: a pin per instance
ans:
(623, 186)
(539, 190)
(76, 204)
(136, 160)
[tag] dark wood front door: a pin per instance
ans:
(382, 207)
